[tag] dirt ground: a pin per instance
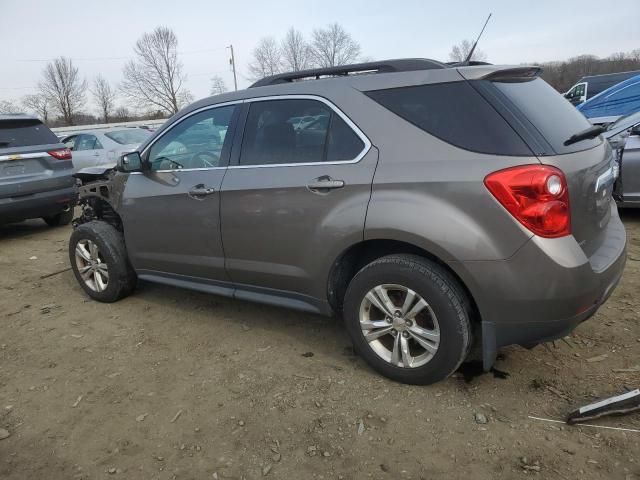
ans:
(172, 384)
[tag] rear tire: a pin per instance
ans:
(99, 260)
(62, 218)
(416, 348)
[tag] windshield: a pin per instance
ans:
(130, 136)
(554, 117)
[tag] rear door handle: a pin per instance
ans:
(324, 184)
(200, 191)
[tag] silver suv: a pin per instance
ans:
(434, 208)
(35, 172)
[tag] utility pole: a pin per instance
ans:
(232, 61)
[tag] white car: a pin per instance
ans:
(99, 147)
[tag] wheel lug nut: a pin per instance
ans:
(408, 323)
(388, 319)
(405, 334)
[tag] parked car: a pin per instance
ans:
(615, 102)
(589, 87)
(99, 147)
(35, 172)
(624, 136)
(441, 208)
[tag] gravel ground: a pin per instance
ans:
(172, 384)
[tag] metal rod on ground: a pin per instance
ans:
(47, 275)
(233, 67)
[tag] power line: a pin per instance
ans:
(100, 59)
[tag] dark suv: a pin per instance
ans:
(434, 207)
(35, 172)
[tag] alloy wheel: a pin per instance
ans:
(399, 325)
(91, 266)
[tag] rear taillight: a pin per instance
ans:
(62, 154)
(536, 195)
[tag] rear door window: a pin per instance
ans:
(456, 113)
(544, 108)
(25, 133)
(293, 131)
(87, 142)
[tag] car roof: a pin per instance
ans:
(95, 131)
(365, 81)
(17, 116)
(609, 91)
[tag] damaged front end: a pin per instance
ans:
(99, 195)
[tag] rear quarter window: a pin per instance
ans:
(25, 133)
(456, 113)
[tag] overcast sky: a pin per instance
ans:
(99, 35)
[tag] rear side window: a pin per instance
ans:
(25, 133)
(549, 113)
(456, 113)
(296, 131)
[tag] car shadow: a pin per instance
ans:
(309, 334)
(10, 231)
(629, 214)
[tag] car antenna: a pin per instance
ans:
(473, 49)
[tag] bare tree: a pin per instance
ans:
(7, 106)
(63, 88)
(37, 103)
(296, 54)
(267, 59)
(155, 77)
(104, 96)
(460, 52)
(333, 46)
(122, 114)
(217, 85)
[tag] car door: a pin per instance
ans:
(630, 172)
(170, 210)
(85, 150)
(294, 197)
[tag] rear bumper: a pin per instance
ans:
(42, 204)
(545, 290)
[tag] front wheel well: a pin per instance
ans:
(357, 256)
(96, 207)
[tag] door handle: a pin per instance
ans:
(200, 191)
(324, 184)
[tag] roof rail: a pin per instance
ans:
(382, 66)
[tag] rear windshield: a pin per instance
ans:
(551, 114)
(25, 133)
(456, 113)
(132, 136)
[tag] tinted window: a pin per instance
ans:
(25, 132)
(344, 144)
(131, 136)
(456, 113)
(196, 142)
(555, 118)
(296, 131)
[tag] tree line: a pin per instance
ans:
(326, 47)
(564, 74)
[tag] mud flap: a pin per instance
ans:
(489, 345)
